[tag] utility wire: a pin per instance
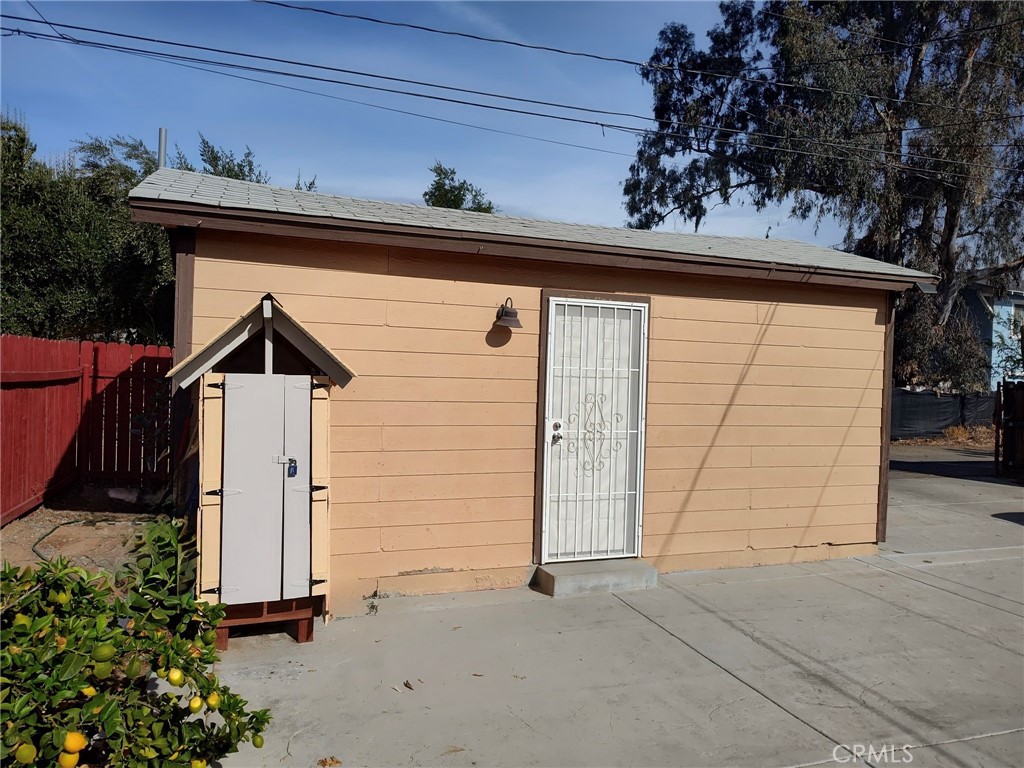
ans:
(47, 23)
(918, 172)
(614, 59)
(556, 105)
(451, 33)
(307, 91)
(156, 56)
(381, 106)
(518, 44)
(325, 67)
(292, 62)
(636, 131)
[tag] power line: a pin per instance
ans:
(47, 23)
(451, 33)
(636, 131)
(937, 126)
(307, 91)
(600, 57)
(324, 67)
(381, 106)
(426, 117)
(536, 102)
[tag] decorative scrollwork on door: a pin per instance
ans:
(591, 433)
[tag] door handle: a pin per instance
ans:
(556, 431)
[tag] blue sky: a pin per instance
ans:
(67, 92)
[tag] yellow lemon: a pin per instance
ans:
(198, 763)
(161, 673)
(67, 759)
(88, 691)
(257, 741)
(213, 700)
(75, 742)
(175, 676)
(195, 704)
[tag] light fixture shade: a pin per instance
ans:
(508, 316)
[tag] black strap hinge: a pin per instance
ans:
(211, 591)
(319, 385)
(217, 385)
(314, 582)
(215, 492)
(315, 488)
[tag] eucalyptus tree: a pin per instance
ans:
(903, 121)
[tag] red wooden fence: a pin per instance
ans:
(80, 410)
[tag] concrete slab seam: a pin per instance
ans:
(1015, 547)
(734, 676)
(968, 738)
(953, 581)
(923, 615)
(829, 761)
(934, 586)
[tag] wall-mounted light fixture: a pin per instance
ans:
(508, 316)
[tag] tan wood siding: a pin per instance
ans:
(210, 402)
(764, 407)
(320, 519)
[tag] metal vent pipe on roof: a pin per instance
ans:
(161, 154)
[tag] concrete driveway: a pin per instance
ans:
(921, 647)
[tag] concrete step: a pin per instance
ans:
(590, 576)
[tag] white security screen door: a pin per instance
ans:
(594, 429)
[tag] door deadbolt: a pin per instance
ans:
(293, 468)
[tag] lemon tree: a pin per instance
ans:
(81, 652)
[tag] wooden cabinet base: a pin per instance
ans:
(298, 613)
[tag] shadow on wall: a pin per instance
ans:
(498, 336)
(804, 535)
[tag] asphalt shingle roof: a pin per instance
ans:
(175, 186)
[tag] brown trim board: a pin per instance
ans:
(886, 426)
(183, 247)
(546, 295)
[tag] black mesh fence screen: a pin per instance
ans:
(925, 414)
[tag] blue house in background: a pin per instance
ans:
(999, 323)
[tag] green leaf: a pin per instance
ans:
(72, 665)
(60, 696)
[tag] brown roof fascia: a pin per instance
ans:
(178, 214)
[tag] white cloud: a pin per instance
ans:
(476, 17)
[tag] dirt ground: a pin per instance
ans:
(958, 437)
(93, 527)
